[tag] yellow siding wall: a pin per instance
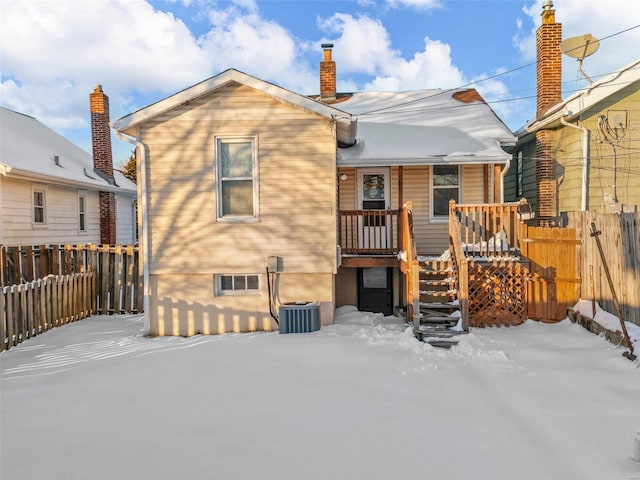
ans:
(297, 214)
(604, 159)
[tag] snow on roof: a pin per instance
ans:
(28, 149)
(345, 124)
(424, 127)
(586, 98)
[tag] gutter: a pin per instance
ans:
(141, 168)
(584, 199)
(20, 174)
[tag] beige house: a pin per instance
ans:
(53, 192)
(235, 171)
(579, 153)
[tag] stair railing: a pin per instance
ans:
(460, 264)
(409, 265)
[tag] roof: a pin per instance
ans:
(346, 125)
(424, 127)
(585, 99)
(28, 149)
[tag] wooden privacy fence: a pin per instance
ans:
(620, 238)
(29, 309)
(554, 271)
(118, 271)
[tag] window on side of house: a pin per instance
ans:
(237, 284)
(445, 186)
(519, 175)
(237, 178)
(82, 212)
(39, 206)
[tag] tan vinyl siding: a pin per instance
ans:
(296, 160)
(185, 304)
(347, 193)
(473, 184)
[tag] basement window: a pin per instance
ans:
(237, 284)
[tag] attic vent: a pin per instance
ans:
(56, 160)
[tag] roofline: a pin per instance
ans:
(422, 161)
(232, 75)
(581, 101)
(20, 174)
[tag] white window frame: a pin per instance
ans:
(82, 212)
(253, 139)
(42, 190)
(219, 291)
(442, 218)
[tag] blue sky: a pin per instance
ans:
(54, 51)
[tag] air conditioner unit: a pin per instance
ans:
(299, 317)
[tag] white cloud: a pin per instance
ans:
(54, 52)
(242, 39)
(601, 19)
(363, 46)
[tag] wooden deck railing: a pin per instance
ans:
(487, 230)
(461, 267)
(409, 265)
(370, 232)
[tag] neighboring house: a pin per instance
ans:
(53, 192)
(580, 153)
(236, 170)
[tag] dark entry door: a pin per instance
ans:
(374, 290)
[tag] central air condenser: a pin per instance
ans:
(299, 317)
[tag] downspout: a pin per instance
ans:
(584, 202)
(503, 172)
(144, 234)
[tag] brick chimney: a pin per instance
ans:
(549, 60)
(103, 161)
(327, 74)
(549, 93)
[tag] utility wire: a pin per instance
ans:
(475, 82)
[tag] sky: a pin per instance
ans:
(360, 399)
(54, 51)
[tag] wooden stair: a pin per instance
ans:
(439, 308)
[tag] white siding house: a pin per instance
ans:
(50, 191)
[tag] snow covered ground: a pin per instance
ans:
(361, 399)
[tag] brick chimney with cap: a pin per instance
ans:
(327, 74)
(549, 60)
(549, 93)
(103, 161)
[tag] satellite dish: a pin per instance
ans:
(580, 47)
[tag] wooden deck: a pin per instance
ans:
(486, 278)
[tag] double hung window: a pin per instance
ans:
(445, 187)
(39, 207)
(237, 178)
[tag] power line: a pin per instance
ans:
(475, 82)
